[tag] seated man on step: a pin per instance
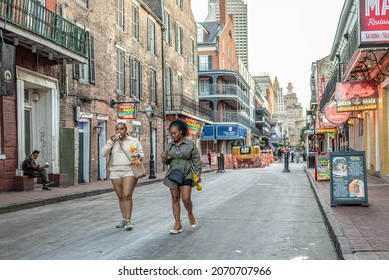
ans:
(32, 169)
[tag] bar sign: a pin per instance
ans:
(7, 69)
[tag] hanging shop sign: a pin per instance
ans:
(355, 96)
(326, 130)
(7, 69)
(332, 114)
(193, 125)
(323, 124)
(374, 22)
(348, 182)
(126, 111)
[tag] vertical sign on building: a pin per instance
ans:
(7, 69)
(374, 22)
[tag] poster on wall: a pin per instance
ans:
(322, 167)
(374, 22)
(348, 182)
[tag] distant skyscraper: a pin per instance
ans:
(239, 9)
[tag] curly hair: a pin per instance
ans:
(180, 125)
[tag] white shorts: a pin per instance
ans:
(119, 172)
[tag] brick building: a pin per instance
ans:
(77, 62)
(180, 69)
(42, 45)
(124, 65)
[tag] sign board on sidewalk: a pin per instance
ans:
(322, 167)
(348, 183)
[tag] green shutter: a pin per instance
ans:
(92, 63)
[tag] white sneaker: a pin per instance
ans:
(121, 224)
(128, 225)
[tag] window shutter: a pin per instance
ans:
(131, 78)
(140, 81)
(148, 34)
(209, 62)
(176, 36)
(92, 63)
(181, 42)
(156, 89)
(76, 71)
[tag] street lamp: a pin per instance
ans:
(150, 113)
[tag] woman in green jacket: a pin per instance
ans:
(181, 154)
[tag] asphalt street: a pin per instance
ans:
(256, 213)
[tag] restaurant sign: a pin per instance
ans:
(332, 114)
(355, 96)
(374, 22)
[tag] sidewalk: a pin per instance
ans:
(358, 233)
(15, 201)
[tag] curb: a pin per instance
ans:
(339, 241)
(51, 200)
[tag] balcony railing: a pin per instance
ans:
(31, 16)
(255, 130)
(223, 89)
(263, 120)
(182, 103)
(225, 116)
(329, 90)
(351, 46)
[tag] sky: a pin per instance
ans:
(285, 37)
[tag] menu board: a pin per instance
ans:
(348, 178)
(322, 167)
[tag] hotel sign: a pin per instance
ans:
(374, 21)
(355, 96)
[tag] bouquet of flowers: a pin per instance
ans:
(135, 160)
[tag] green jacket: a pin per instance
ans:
(183, 158)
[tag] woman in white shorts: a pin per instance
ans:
(122, 150)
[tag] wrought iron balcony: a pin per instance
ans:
(224, 90)
(329, 90)
(19, 16)
(351, 46)
(228, 117)
(255, 130)
(179, 103)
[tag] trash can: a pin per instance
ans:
(311, 160)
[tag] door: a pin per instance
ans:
(102, 160)
(66, 153)
(81, 157)
(84, 151)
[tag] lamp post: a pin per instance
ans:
(150, 113)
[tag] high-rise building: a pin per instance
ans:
(239, 10)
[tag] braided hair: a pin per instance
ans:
(180, 125)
